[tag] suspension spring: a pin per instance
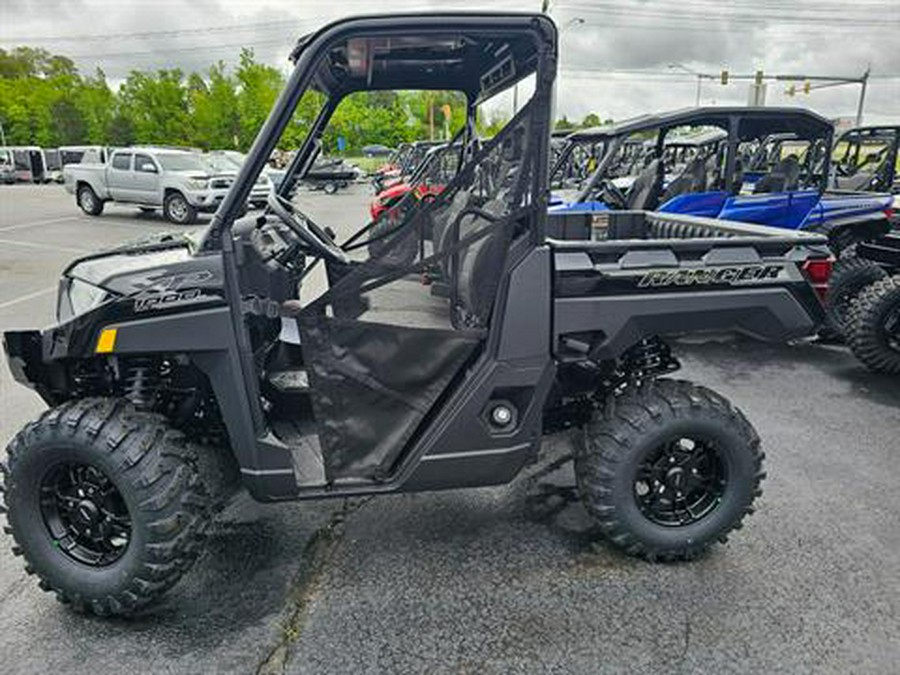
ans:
(141, 382)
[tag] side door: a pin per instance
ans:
(146, 180)
(118, 177)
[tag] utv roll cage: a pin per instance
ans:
(741, 124)
(478, 55)
(849, 158)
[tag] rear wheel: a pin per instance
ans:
(177, 209)
(88, 201)
(105, 503)
(873, 332)
(668, 469)
(849, 276)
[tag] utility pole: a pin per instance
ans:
(864, 82)
(827, 81)
(3, 135)
(700, 78)
(757, 95)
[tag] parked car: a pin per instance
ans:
(377, 150)
(84, 154)
(230, 162)
(29, 163)
(54, 166)
(179, 182)
(7, 169)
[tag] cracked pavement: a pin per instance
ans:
(509, 579)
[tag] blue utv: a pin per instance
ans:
(717, 163)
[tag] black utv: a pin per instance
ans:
(263, 353)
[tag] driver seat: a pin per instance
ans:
(644, 192)
(692, 179)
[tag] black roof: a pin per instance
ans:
(755, 122)
(873, 129)
(475, 52)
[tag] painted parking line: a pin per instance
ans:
(46, 247)
(50, 221)
(27, 297)
(142, 225)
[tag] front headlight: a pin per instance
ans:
(77, 297)
(196, 184)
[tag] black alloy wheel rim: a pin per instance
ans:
(84, 514)
(680, 482)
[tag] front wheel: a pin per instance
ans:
(668, 469)
(88, 201)
(105, 503)
(177, 209)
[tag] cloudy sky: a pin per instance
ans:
(617, 56)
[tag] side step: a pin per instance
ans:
(306, 452)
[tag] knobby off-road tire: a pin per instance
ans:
(88, 201)
(850, 276)
(155, 482)
(873, 332)
(646, 427)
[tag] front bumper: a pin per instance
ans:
(205, 200)
(25, 356)
(209, 200)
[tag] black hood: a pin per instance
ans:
(149, 256)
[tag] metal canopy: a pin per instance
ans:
(753, 122)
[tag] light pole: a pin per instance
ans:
(691, 71)
(2, 136)
(574, 21)
(828, 81)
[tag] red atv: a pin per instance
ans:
(436, 169)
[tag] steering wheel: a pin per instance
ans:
(310, 233)
(612, 195)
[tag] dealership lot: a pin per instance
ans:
(507, 579)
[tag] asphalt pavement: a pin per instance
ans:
(499, 580)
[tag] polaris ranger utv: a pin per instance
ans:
(173, 365)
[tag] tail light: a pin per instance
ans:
(818, 272)
(889, 213)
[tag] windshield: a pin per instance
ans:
(222, 163)
(181, 162)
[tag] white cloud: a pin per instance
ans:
(598, 36)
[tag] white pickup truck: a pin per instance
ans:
(181, 183)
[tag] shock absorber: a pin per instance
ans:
(649, 357)
(141, 382)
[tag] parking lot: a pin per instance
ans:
(499, 580)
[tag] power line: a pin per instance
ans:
(705, 14)
(163, 33)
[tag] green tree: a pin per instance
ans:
(157, 105)
(563, 124)
(259, 86)
(591, 120)
(215, 117)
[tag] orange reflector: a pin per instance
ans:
(107, 341)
